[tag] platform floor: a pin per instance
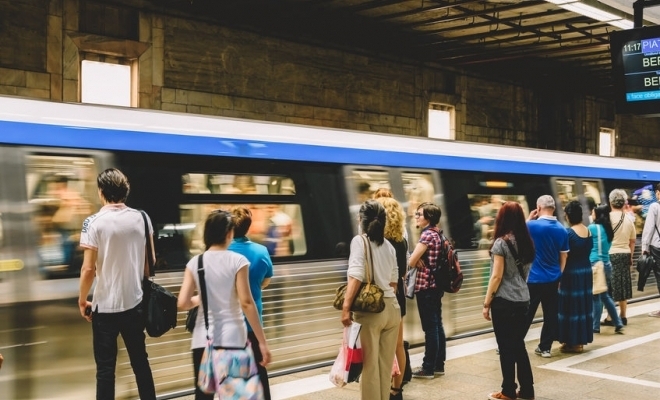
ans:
(612, 367)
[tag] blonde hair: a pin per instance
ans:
(395, 218)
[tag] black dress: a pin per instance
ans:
(401, 249)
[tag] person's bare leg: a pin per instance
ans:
(400, 359)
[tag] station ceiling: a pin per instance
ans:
(526, 40)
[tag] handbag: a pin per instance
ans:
(598, 271)
(233, 371)
(191, 319)
(370, 296)
(409, 281)
(158, 304)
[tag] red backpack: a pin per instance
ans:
(448, 275)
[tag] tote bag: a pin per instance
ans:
(598, 270)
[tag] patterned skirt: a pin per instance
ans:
(621, 277)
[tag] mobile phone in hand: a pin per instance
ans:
(88, 311)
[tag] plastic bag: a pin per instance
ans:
(347, 367)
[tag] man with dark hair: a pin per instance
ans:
(429, 295)
(260, 272)
(551, 246)
(115, 252)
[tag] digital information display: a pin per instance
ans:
(636, 69)
(641, 68)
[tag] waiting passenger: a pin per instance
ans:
(651, 240)
(259, 273)
(394, 234)
(114, 253)
(507, 300)
(602, 235)
(379, 330)
(382, 192)
(551, 249)
(228, 294)
(621, 253)
(575, 287)
(429, 295)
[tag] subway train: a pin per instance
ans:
(304, 186)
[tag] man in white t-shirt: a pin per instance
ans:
(115, 252)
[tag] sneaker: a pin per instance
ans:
(607, 322)
(542, 353)
(619, 330)
(498, 396)
(655, 314)
(519, 397)
(624, 320)
(439, 371)
(421, 373)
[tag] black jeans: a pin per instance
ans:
(510, 327)
(106, 327)
(429, 305)
(546, 295)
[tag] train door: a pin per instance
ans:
(410, 187)
(589, 192)
(41, 193)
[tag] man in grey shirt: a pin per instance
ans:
(651, 240)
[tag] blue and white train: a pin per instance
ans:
(303, 185)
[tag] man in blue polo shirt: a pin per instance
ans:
(260, 272)
(551, 244)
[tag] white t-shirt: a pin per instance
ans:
(384, 264)
(226, 323)
(116, 232)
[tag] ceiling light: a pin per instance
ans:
(593, 12)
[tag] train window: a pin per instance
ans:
(484, 210)
(63, 191)
(367, 182)
(237, 184)
(279, 227)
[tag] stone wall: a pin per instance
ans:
(196, 66)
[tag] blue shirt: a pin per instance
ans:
(605, 244)
(261, 267)
(550, 238)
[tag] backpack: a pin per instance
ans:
(448, 275)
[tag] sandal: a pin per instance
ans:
(398, 395)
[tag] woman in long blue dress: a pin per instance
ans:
(575, 287)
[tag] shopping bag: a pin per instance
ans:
(354, 360)
(338, 371)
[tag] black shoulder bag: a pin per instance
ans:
(191, 318)
(519, 263)
(158, 304)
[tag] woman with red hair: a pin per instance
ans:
(507, 300)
